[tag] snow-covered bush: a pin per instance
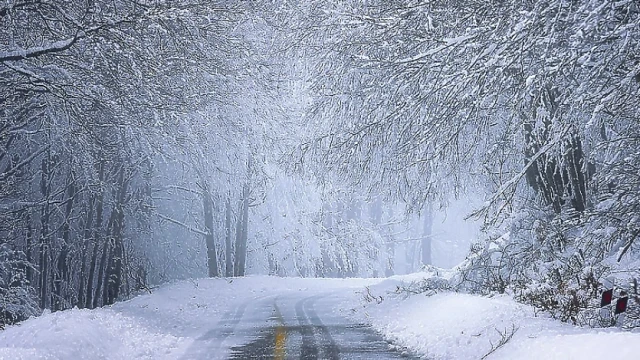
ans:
(558, 263)
(484, 270)
(17, 298)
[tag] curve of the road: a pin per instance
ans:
(291, 326)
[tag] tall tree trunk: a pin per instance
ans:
(45, 188)
(236, 259)
(126, 270)
(242, 233)
(29, 249)
(100, 294)
(375, 216)
(227, 256)
(115, 274)
(427, 234)
(84, 248)
(62, 275)
(212, 256)
(92, 274)
(576, 172)
(555, 176)
(99, 202)
(391, 250)
(114, 271)
(245, 229)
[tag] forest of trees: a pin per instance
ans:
(144, 141)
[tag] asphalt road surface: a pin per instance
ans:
(293, 326)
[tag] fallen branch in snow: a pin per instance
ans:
(427, 286)
(504, 338)
(369, 297)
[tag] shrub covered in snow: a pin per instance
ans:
(17, 298)
(560, 264)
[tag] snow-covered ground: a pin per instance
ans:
(165, 324)
(462, 326)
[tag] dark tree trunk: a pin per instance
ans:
(84, 248)
(29, 249)
(114, 274)
(555, 176)
(100, 294)
(212, 256)
(62, 276)
(92, 274)
(45, 188)
(100, 297)
(114, 271)
(96, 237)
(242, 233)
(576, 173)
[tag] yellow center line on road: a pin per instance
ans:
(281, 336)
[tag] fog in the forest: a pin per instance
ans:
(147, 141)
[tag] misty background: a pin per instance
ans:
(147, 141)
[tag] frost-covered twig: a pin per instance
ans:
(504, 338)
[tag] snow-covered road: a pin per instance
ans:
(302, 325)
(253, 317)
(291, 318)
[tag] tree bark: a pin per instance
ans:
(427, 234)
(96, 236)
(84, 248)
(101, 289)
(62, 276)
(212, 256)
(45, 188)
(114, 270)
(228, 252)
(29, 248)
(242, 233)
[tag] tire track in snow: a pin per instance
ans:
(309, 348)
(330, 349)
(210, 342)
